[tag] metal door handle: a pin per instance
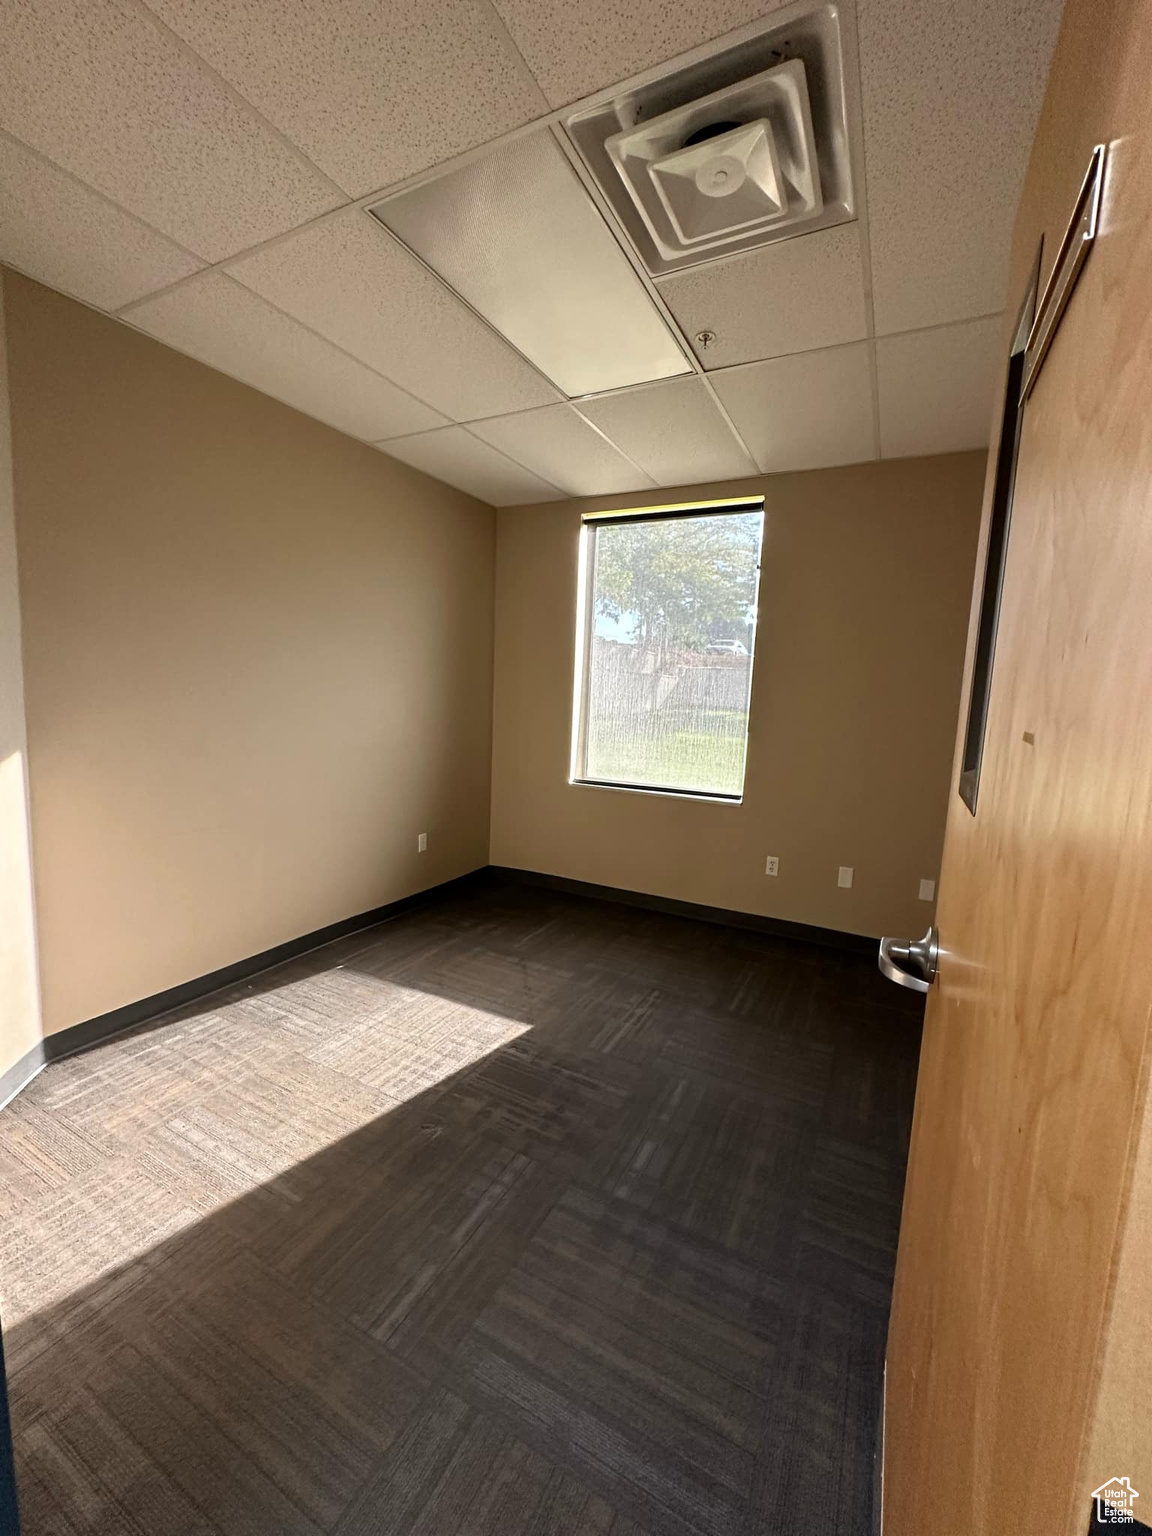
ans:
(920, 954)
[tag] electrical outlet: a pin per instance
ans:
(844, 878)
(771, 865)
(927, 890)
(422, 843)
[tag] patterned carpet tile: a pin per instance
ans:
(521, 1214)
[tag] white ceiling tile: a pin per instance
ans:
(226, 326)
(808, 411)
(455, 456)
(61, 232)
(372, 90)
(672, 430)
(937, 388)
(951, 98)
(353, 282)
(575, 49)
(559, 444)
(517, 236)
(792, 296)
(102, 89)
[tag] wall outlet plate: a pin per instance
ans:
(771, 865)
(844, 878)
(422, 843)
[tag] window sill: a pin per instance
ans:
(708, 796)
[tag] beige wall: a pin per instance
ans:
(19, 997)
(257, 663)
(865, 589)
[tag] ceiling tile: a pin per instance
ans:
(937, 387)
(792, 296)
(350, 280)
(61, 232)
(372, 90)
(222, 324)
(672, 430)
(455, 456)
(559, 444)
(807, 411)
(102, 89)
(575, 49)
(951, 98)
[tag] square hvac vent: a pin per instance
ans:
(739, 160)
(730, 149)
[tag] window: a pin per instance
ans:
(666, 633)
(999, 526)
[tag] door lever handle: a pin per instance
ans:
(918, 954)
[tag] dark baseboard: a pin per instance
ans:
(80, 1037)
(20, 1073)
(778, 927)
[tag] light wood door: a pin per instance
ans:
(1030, 1082)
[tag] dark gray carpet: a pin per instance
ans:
(519, 1214)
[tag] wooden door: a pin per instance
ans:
(1030, 1083)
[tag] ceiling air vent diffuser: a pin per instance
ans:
(730, 147)
(740, 160)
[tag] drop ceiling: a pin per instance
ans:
(203, 170)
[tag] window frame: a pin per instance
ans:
(990, 582)
(584, 627)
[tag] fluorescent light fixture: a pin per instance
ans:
(519, 239)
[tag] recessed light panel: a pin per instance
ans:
(519, 239)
